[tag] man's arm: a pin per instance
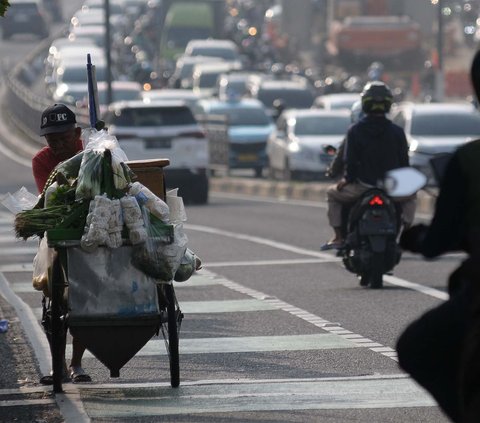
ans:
(351, 157)
(40, 173)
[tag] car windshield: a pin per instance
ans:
(244, 117)
(299, 99)
(152, 116)
(208, 80)
(118, 95)
(74, 74)
(322, 125)
(441, 124)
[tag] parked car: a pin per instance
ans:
(248, 128)
(336, 101)
(434, 128)
(299, 147)
(26, 17)
(164, 128)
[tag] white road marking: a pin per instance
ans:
(26, 402)
(324, 256)
(245, 344)
(288, 395)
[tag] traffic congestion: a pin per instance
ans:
(245, 134)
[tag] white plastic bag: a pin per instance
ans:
(176, 207)
(19, 201)
(42, 264)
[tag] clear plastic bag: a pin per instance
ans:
(42, 264)
(160, 256)
(19, 201)
(176, 207)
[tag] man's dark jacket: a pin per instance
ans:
(374, 146)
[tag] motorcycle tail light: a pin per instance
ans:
(376, 200)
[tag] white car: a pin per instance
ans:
(188, 96)
(336, 101)
(299, 147)
(435, 128)
(220, 48)
(164, 129)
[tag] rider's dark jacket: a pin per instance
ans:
(374, 145)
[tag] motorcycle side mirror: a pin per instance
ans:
(403, 182)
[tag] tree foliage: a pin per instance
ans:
(4, 4)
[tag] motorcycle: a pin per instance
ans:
(372, 227)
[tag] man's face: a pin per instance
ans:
(64, 144)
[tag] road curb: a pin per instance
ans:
(311, 191)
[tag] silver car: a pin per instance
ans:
(435, 128)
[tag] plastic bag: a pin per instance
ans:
(148, 199)
(101, 141)
(189, 264)
(90, 175)
(176, 207)
(42, 264)
(20, 200)
(158, 257)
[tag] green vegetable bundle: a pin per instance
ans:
(35, 222)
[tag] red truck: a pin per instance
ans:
(396, 39)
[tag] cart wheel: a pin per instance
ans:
(174, 319)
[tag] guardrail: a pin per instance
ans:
(23, 106)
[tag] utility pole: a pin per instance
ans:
(108, 52)
(439, 75)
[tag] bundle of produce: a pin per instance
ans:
(35, 222)
(132, 215)
(103, 225)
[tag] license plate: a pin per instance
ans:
(247, 157)
(150, 144)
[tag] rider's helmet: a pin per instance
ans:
(356, 112)
(376, 97)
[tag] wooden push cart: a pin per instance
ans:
(113, 335)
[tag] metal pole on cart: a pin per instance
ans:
(59, 324)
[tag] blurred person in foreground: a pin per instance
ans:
(373, 146)
(63, 137)
(441, 349)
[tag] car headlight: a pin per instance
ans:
(294, 147)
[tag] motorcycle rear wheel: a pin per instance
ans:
(376, 271)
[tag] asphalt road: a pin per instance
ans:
(274, 330)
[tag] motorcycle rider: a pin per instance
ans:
(337, 166)
(441, 349)
(374, 145)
